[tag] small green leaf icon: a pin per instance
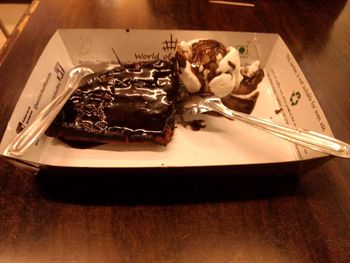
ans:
(241, 50)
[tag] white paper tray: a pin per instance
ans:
(221, 143)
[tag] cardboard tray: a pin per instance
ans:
(285, 97)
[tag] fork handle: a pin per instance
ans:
(32, 132)
(306, 138)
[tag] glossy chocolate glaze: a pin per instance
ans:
(132, 102)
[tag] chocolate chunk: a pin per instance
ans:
(245, 105)
(248, 85)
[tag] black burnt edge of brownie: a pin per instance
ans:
(130, 103)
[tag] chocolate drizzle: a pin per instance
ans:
(133, 102)
(204, 59)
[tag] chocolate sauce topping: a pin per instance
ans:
(130, 102)
(205, 54)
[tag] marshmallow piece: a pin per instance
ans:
(231, 58)
(222, 85)
(186, 49)
(251, 70)
(189, 79)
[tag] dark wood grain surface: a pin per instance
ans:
(70, 216)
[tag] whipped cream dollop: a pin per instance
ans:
(207, 66)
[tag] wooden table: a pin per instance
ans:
(65, 217)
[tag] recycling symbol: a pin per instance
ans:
(294, 98)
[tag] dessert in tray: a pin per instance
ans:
(137, 102)
(207, 67)
(130, 103)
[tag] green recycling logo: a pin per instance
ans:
(294, 98)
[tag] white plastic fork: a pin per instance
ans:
(32, 133)
(303, 137)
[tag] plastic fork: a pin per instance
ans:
(309, 139)
(32, 133)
